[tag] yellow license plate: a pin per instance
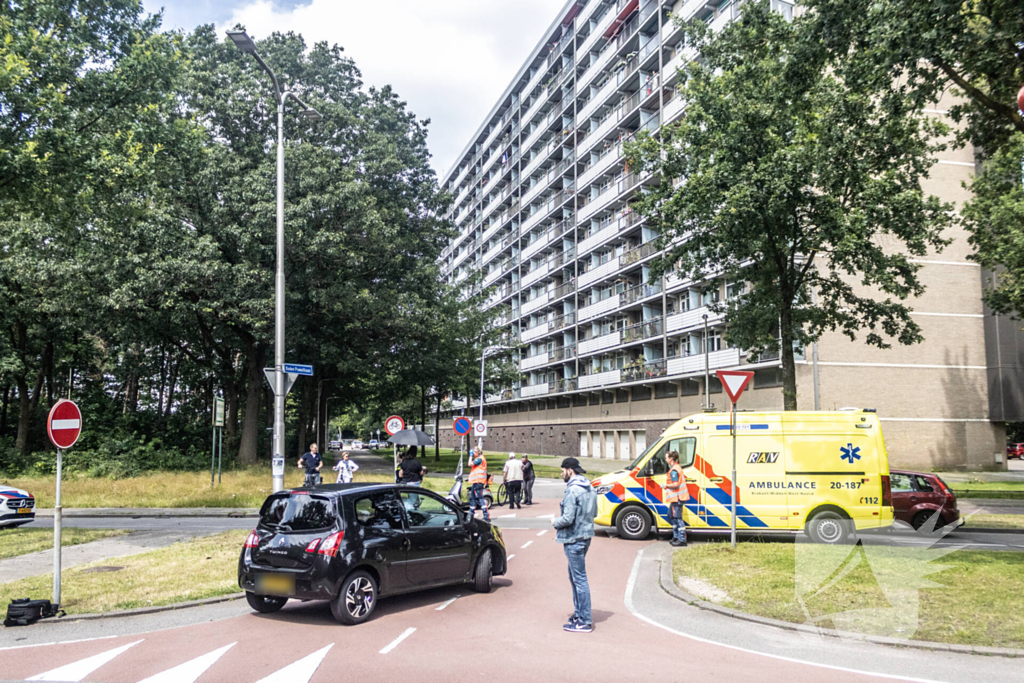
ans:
(24, 511)
(275, 584)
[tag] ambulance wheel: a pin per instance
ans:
(633, 523)
(830, 528)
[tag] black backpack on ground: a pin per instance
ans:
(24, 611)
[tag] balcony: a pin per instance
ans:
(536, 274)
(600, 308)
(534, 361)
(643, 330)
(536, 303)
(637, 254)
(599, 273)
(600, 379)
(642, 370)
(686, 365)
(607, 341)
(535, 332)
(535, 390)
(689, 320)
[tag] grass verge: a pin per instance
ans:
(987, 521)
(974, 600)
(246, 488)
(495, 461)
(14, 542)
(989, 489)
(191, 570)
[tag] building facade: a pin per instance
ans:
(612, 356)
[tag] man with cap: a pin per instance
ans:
(575, 528)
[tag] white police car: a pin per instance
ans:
(16, 506)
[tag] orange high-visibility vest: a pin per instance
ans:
(478, 475)
(676, 493)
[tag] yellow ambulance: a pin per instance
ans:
(824, 472)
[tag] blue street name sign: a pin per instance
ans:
(304, 370)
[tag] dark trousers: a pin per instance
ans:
(675, 518)
(515, 492)
(528, 491)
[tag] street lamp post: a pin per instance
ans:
(483, 358)
(707, 366)
(327, 417)
(244, 43)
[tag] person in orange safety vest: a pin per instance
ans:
(675, 495)
(477, 482)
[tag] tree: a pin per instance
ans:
(791, 180)
(83, 88)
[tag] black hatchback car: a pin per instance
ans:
(354, 543)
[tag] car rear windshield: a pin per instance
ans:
(297, 512)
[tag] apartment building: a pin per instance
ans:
(611, 356)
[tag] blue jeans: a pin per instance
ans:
(675, 518)
(415, 499)
(476, 500)
(576, 553)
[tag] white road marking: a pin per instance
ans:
(57, 642)
(546, 517)
(506, 516)
(526, 545)
(632, 610)
(509, 558)
(543, 532)
(190, 670)
(394, 643)
(446, 603)
(76, 671)
(300, 671)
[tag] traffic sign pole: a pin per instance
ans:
(57, 520)
(63, 426)
(734, 382)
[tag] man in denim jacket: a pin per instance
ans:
(575, 529)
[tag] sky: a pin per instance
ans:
(449, 59)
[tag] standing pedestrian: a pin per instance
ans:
(477, 483)
(412, 471)
(513, 474)
(675, 495)
(528, 477)
(312, 462)
(575, 528)
(346, 469)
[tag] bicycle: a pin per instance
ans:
(312, 480)
(502, 497)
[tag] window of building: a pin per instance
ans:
(665, 390)
(607, 397)
(622, 395)
(641, 393)
(767, 377)
(734, 289)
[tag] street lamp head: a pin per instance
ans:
(242, 41)
(312, 115)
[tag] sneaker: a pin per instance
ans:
(578, 627)
(676, 544)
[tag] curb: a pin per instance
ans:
(149, 610)
(155, 513)
(668, 585)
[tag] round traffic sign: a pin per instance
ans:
(64, 425)
(462, 426)
(393, 425)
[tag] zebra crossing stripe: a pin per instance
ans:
(190, 670)
(76, 671)
(300, 671)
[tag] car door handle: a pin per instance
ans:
(716, 480)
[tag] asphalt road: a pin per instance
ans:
(449, 634)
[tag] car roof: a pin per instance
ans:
(912, 472)
(337, 490)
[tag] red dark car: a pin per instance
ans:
(917, 496)
(1015, 450)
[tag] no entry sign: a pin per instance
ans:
(64, 425)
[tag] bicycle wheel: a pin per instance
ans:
(502, 495)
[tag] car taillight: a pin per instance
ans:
(945, 489)
(312, 545)
(886, 491)
(253, 540)
(331, 544)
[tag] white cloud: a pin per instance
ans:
(449, 59)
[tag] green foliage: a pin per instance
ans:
(793, 181)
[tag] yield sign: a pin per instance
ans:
(734, 382)
(64, 424)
